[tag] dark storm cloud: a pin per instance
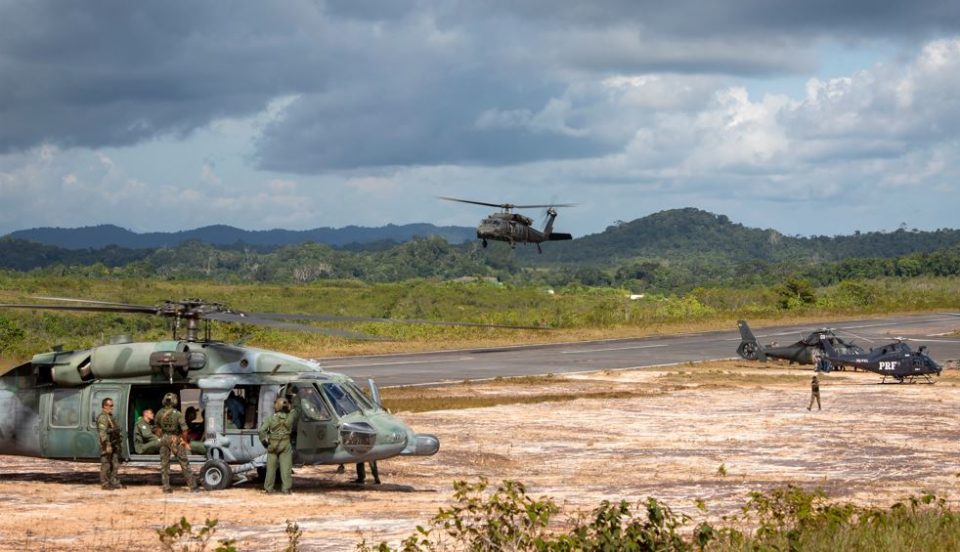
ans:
(730, 18)
(393, 83)
(114, 73)
(439, 124)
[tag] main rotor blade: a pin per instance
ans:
(90, 301)
(928, 340)
(853, 335)
(257, 321)
(501, 205)
(102, 308)
(335, 318)
(507, 205)
(545, 206)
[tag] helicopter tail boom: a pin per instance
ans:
(749, 348)
(557, 236)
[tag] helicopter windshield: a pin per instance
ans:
(311, 404)
(341, 400)
(361, 397)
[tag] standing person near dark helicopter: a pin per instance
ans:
(275, 434)
(173, 441)
(108, 433)
(814, 393)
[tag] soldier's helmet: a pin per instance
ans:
(281, 405)
(170, 399)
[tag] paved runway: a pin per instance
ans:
(453, 366)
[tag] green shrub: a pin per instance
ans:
(181, 537)
(782, 519)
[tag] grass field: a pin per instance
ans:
(571, 314)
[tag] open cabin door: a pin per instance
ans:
(316, 428)
(69, 427)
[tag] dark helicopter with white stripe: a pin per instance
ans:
(805, 351)
(896, 360)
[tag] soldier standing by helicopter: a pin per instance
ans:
(275, 434)
(173, 441)
(108, 433)
(814, 393)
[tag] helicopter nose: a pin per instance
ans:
(423, 445)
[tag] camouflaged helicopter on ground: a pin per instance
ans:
(48, 406)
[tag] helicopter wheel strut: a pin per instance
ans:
(215, 475)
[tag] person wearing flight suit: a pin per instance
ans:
(814, 393)
(108, 434)
(173, 442)
(145, 440)
(275, 434)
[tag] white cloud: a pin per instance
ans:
(281, 186)
(208, 174)
(377, 110)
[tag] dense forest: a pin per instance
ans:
(668, 252)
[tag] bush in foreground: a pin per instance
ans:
(505, 518)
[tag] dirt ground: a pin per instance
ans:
(666, 435)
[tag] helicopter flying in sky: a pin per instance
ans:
(48, 406)
(805, 351)
(515, 228)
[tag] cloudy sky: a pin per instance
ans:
(814, 117)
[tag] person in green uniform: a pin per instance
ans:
(173, 441)
(145, 440)
(362, 473)
(814, 393)
(275, 434)
(108, 434)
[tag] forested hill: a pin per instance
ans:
(668, 251)
(682, 233)
(109, 235)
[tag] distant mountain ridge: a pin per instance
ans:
(104, 235)
(690, 231)
(672, 236)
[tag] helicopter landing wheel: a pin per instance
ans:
(215, 475)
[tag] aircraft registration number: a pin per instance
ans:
(889, 365)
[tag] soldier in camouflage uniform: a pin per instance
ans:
(173, 441)
(814, 393)
(275, 434)
(145, 440)
(108, 433)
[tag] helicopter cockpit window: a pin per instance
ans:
(361, 397)
(342, 403)
(65, 411)
(312, 407)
